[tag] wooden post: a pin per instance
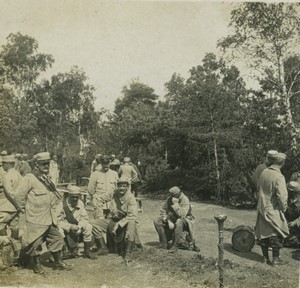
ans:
(221, 219)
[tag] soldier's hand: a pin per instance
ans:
(175, 200)
(291, 224)
(74, 228)
(114, 230)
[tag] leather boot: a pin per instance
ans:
(37, 267)
(128, 247)
(163, 242)
(87, 253)
(276, 259)
(101, 246)
(58, 263)
(176, 238)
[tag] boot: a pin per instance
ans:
(58, 263)
(176, 237)
(128, 248)
(101, 246)
(276, 259)
(163, 242)
(87, 253)
(265, 252)
(37, 267)
(24, 259)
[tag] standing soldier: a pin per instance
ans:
(127, 171)
(11, 182)
(101, 187)
(271, 226)
(37, 194)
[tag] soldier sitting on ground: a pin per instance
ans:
(176, 218)
(74, 221)
(292, 215)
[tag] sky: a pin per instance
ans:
(117, 41)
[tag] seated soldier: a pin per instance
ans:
(121, 227)
(292, 214)
(176, 217)
(74, 221)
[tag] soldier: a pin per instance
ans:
(101, 187)
(37, 194)
(175, 217)
(271, 226)
(11, 182)
(121, 227)
(127, 171)
(114, 163)
(74, 221)
(96, 166)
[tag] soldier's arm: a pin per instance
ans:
(281, 193)
(181, 209)
(92, 184)
(23, 189)
(131, 213)
(62, 221)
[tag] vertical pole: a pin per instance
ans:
(221, 219)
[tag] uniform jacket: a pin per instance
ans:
(79, 213)
(103, 184)
(127, 171)
(11, 180)
(272, 201)
(124, 207)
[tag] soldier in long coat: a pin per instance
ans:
(271, 226)
(37, 194)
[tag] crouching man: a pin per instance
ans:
(121, 227)
(176, 217)
(74, 221)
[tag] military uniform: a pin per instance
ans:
(101, 187)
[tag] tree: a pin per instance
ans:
(266, 34)
(136, 93)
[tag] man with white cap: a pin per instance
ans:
(175, 217)
(37, 194)
(74, 220)
(271, 226)
(96, 165)
(261, 167)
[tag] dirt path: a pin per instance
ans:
(157, 268)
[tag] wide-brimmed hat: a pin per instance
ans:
(294, 186)
(73, 190)
(43, 156)
(9, 159)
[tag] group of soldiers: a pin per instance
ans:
(58, 217)
(278, 208)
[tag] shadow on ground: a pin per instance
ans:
(247, 255)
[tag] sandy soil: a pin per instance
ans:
(155, 268)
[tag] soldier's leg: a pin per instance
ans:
(160, 227)
(130, 235)
(276, 242)
(100, 227)
(179, 225)
(55, 242)
(87, 229)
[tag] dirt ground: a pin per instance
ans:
(155, 268)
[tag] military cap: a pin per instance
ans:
(104, 159)
(126, 159)
(98, 156)
(18, 155)
(293, 186)
(271, 153)
(112, 155)
(280, 156)
(74, 190)
(43, 156)
(3, 153)
(123, 180)
(174, 190)
(9, 159)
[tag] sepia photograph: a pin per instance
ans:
(149, 144)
